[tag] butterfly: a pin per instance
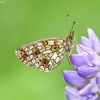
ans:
(46, 54)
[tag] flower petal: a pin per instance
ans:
(86, 58)
(87, 71)
(93, 80)
(86, 42)
(81, 48)
(89, 89)
(91, 59)
(98, 78)
(72, 78)
(72, 94)
(94, 59)
(95, 97)
(77, 60)
(94, 40)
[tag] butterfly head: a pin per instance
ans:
(71, 36)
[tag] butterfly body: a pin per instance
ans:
(45, 54)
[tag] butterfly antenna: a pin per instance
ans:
(72, 27)
(68, 22)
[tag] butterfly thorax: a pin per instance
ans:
(68, 45)
(69, 40)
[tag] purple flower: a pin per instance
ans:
(93, 42)
(73, 94)
(72, 78)
(96, 80)
(86, 65)
(85, 78)
(91, 59)
(89, 89)
(87, 93)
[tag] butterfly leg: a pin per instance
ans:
(76, 44)
(67, 56)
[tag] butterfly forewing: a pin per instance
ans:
(44, 55)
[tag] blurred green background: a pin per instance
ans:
(24, 21)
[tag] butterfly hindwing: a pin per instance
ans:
(44, 55)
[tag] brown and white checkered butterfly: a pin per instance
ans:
(45, 54)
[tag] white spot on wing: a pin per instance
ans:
(48, 51)
(33, 61)
(50, 63)
(31, 56)
(26, 49)
(46, 69)
(57, 59)
(61, 46)
(39, 47)
(25, 62)
(31, 47)
(30, 51)
(36, 64)
(50, 54)
(54, 56)
(62, 57)
(39, 44)
(61, 49)
(41, 67)
(60, 41)
(42, 50)
(51, 42)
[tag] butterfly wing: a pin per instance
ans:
(44, 55)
